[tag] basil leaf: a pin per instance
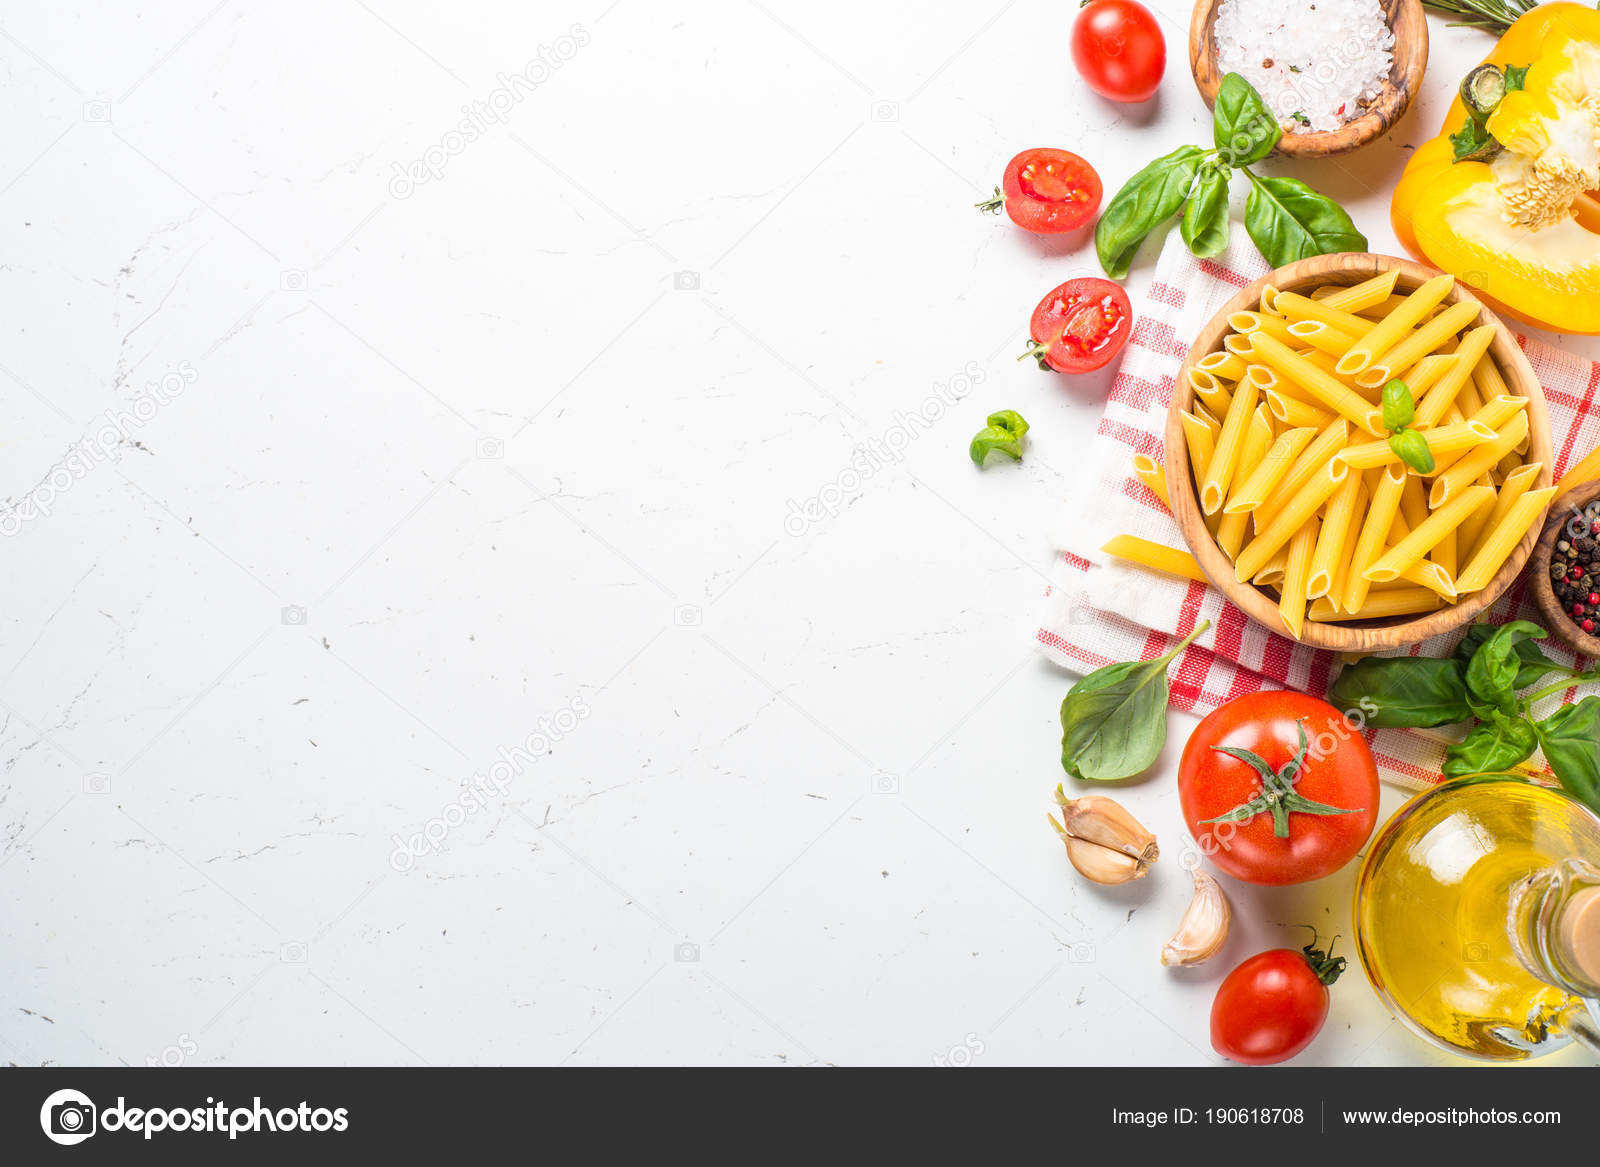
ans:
(1289, 221)
(1570, 739)
(1532, 664)
(1412, 449)
(1204, 226)
(1492, 671)
(1241, 125)
(1146, 201)
(1002, 435)
(1404, 691)
(1399, 407)
(1114, 721)
(1495, 745)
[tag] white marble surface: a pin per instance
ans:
(444, 466)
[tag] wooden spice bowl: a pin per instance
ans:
(1410, 54)
(1356, 635)
(1556, 618)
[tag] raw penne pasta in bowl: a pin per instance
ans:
(1357, 452)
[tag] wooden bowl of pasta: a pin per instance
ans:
(1281, 473)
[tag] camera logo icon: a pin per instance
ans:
(68, 1117)
(886, 111)
(1081, 954)
(885, 784)
(292, 952)
(490, 449)
(97, 111)
(686, 953)
(294, 280)
(293, 614)
(97, 783)
(686, 281)
(1475, 952)
(687, 616)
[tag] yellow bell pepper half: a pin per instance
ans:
(1522, 229)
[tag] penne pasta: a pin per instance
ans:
(1358, 297)
(1413, 502)
(1148, 471)
(1257, 440)
(1425, 535)
(1298, 308)
(1294, 514)
(1201, 439)
(1292, 595)
(1323, 338)
(1237, 345)
(1155, 556)
(1392, 602)
(1382, 510)
(1517, 483)
(1494, 414)
(1325, 387)
(1252, 323)
(1431, 406)
(1293, 412)
(1225, 457)
(1272, 574)
(1210, 391)
(1347, 553)
(1223, 366)
(1586, 470)
(1442, 440)
(1336, 524)
(1474, 465)
(1274, 466)
(1499, 541)
(1425, 340)
(1322, 448)
(1393, 329)
(1470, 533)
(1432, 576)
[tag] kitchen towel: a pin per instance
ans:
(1099, 610)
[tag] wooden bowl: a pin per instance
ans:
(1410, 59)
(1556, 619)
(1355, 635)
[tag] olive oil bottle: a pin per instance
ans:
(1478, 918)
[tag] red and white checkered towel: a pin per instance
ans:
(1100, 610)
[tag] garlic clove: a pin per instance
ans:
(1102, 864)
(1204, 927)
(1105, 821)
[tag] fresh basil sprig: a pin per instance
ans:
(1490, 667)
(1285, 218)
(1003, 434)
(1114, 721)
(1399, 411)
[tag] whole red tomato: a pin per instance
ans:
(1119, 50)
(1080, 326)
(1272, 1006)
(1278, 787)
(1048, 191)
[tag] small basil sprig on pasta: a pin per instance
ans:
(1285, 218)
(1399, 411)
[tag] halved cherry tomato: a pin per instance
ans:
(1080, 326)
(1048, 191)
(1119, 50)
(1273, 1005)
(1306, 818)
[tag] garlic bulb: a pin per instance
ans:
(1204, 927)
(1104, 842)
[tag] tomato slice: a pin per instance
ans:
(1080, 326)
(1050, 191)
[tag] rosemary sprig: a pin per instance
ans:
(1490, 15)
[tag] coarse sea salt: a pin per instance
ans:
(1316, 63)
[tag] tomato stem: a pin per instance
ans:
(1278, 795)
(1037, 351)
(993, 204)
(1326, 965)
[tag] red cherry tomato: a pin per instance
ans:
(1080, 326)
(1336, 774)
(1273, 1005)
(1048, 191)
(1119, 50)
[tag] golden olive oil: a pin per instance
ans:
(1432, 906)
